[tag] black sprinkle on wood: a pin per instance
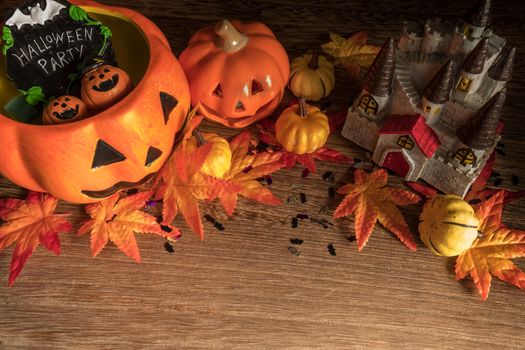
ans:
(295, 222)
(331, 249)
(169, 248)
(303, 197)
(352, 238)
(297, 241)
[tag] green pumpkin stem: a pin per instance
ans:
(303, 111)
(228, 37)
(314, 61)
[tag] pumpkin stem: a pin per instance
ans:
(303, 111)
(314, 61)
(200, 140)
(228, 37)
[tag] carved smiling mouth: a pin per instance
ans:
(67, 114)
(123, 185)
(107, 85)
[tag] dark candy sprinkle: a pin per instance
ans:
(515, 180)
(295, 222)
(303, 197)
(219, 226)
(296, 241)
(331, 192)
(132, 191)
(269, 180)
(305, 173)
(302, 216)
(331, 249)
(329, 176)
(210, 218)
(247, 169)
(150, 204)
(352, 238)
(169, 248)
(166, 228)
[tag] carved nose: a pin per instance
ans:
(153, 155)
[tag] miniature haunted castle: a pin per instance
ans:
(430, 104)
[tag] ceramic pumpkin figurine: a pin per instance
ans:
(448, 225)
(312, 77)
(236, 71)
(302, 128)
(103, 86)
(219, 159)
(64, 109)
(117, 149)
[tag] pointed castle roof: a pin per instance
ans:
(438, 90)
(480, 131)
(480, 14)
(475, 61)
(378, 79)
(501, 70)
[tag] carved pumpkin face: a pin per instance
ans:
(120, 148)
(104, 86)
(236, 71)
(64, 109)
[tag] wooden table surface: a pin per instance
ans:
(242, 287)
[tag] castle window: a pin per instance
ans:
(437, 110)
(465, 157)
(406, 142)
(368, 105)
(428, 108)
(467, 31)
(464, 84)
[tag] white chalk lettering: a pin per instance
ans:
(43, 63)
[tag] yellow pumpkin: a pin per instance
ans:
(312, 77)
(302, 128)
(448, 225)
(219, 159)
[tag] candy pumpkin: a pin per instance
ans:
(312, 77)
(219, 159)
(236, 71)
(302, 128)
(448, 225)
(119, 148)
(103, 86)
(64, 109)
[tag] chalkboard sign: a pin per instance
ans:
(47, 41)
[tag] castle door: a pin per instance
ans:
(396, 162)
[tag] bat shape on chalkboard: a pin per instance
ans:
(38, 12)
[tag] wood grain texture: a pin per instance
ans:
(241, 287)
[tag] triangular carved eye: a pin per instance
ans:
(256, 87)
(218, 91)
(153, 155)
(106, 155)
(168, 104)
(239, 107)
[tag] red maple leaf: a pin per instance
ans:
(28, 223)
(372, 201)
(490, 254)
(307, 160)
(118, 219)
(245, 169)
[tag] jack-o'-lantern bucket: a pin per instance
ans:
(121, 147)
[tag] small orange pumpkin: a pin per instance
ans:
(64, 109)
(236, 71)
(103, 86)
(117, 149)
(219, 160)
(302, 128)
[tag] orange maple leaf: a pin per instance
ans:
(182, 183)
(117, 220)
(491, 253)
(28, 223)
(371, 200)
(353, 53)
(245, 169)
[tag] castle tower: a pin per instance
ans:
(476, 20)
(471, 28)
(470, 76)
(437, 93)
(377, 86)
(478, 135)
(500, 72)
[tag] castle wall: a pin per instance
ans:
(361, 130)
